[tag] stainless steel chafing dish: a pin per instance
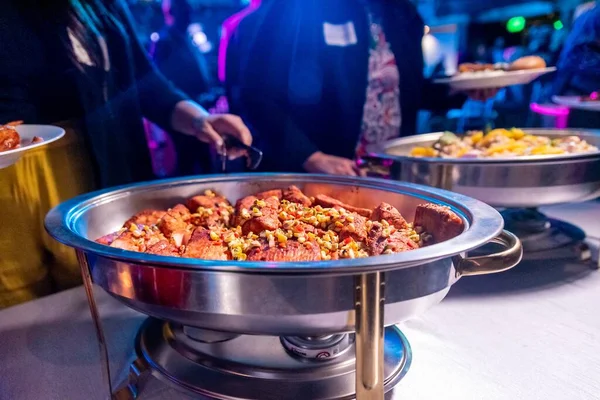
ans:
(361, 295)
(518, 182)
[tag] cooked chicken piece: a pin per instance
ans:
(210, 210)
(206, 201)
(137, 239)
(164, 248)
(293, 251)
(202, 246)
(326, 201)
(357, 229)
(263, 215)
(379, 241)
(175, 224)
(295, 195)
(146, 217)
(438, 221)
(108, 239)
(269, 193)
(9, 138)
(390, 214)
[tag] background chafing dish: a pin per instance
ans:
(296, 299)
(521, 182)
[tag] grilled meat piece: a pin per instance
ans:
(210, 210)
(9, 138)
(137, 239)
(295, 195)
(396, 242)
(201, 246)
(293, 251)
(205, 201)
(145, 217)
(175, 224)
(438, 221)
(326, 201)
(164, 248)
(267, 218)
(108, 239)
(357, 229)
(390, 214)
(269, 193)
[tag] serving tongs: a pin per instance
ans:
(253, 155)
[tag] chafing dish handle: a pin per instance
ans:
(495, 262)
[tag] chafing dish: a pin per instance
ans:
(291, 298)
(521, 182)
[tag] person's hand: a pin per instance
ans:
(326, 164)
(211, 129)
(191, 119)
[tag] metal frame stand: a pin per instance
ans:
(369, 310)
(137, 370)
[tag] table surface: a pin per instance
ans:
(529, 333)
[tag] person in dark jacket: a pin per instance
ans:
(578, 71)
(319, 82)
(77, 63)
(182, 62)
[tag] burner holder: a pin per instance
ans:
(545, 238)
(369, 294)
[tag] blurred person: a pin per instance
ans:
(182, 62)
(498, 50)
(578, 71)
(320, 82)
(77, 64)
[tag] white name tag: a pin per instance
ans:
(339, 35)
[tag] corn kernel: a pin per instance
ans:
(214, 235)
(281, 238)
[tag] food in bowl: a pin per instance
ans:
(501, 143)
(281, 225)
(527, 62)
(520, 64)
(10, 138)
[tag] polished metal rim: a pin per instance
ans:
(381, 152)
(483, 224)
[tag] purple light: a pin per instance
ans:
(227, 30)
(561, 113)
(594, 96)
(154, 36)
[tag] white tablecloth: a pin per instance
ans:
(530, 333)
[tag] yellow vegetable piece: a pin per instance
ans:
(476, 137)
(542, 150)
(517, 133)
(423, 152)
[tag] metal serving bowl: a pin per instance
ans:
(518, 182)
(286, 298)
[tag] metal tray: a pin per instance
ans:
(510, 182)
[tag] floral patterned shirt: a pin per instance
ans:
(381, 114)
